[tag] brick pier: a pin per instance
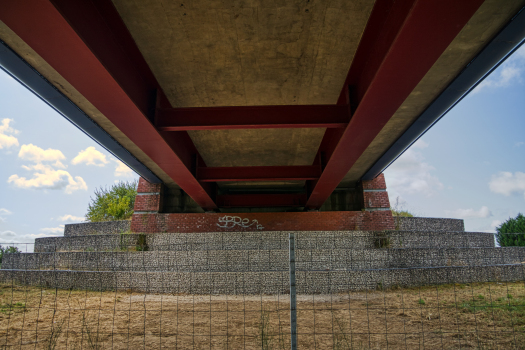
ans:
(151, 216)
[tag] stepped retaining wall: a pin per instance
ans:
(264, 260)
(308, 282)
(429, 224)
(99, 242)
(96, 228)
(266, 240)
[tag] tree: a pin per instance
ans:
(115, 203)
(506, 232)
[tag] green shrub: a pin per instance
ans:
(115, 203)
(402, 213)
(506, 236)
(7, 250)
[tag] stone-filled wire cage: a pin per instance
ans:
(433, 289)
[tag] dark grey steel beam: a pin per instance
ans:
(500, 48)
(25, 74)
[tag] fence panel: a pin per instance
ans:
(353, 290)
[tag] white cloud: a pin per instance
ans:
(7, 234)
(70, 218)
(484, 212)
(5, 139)
(4, 211)
(488, 227)
(38, 155)
(53, 230)
(494, 224)
(24, 242)
(45, 177)
(90, 156)
(410, 174)
(511, 71)
(122, 169)
(507, 183)
(420, 144)
(517, 144)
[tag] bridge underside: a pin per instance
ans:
(256, 105)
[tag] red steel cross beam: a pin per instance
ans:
(388, 70)
(259, 173)
(252, 117)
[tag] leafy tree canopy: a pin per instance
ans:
(115, 203)
(506, 232)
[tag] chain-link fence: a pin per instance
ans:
(264, 290)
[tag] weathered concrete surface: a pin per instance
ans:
(248, 53)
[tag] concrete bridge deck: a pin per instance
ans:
(256, 105)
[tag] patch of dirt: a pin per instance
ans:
(484, 316)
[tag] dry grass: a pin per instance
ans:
(477, 316)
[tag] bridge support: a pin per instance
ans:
(159, 209)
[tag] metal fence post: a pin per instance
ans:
(293, 297)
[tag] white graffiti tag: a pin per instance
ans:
(232, 221)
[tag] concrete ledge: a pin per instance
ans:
(429, 224)
(264, 260)
(311, 282)
(96, 228)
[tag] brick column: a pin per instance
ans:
(149, 198)
(376, 203)
(375, 196)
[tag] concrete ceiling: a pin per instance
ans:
(249, 53)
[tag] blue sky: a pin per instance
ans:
(470, 165)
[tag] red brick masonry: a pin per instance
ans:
(300, 221)
(368, 219)
(376, 200)
(378, 183)
(148, 202)
(146, 187)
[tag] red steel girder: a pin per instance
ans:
(261, 200)
(252, 117)
(84, 47)
(259, 173)
(425, 31)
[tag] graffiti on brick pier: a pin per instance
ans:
(232, 221)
